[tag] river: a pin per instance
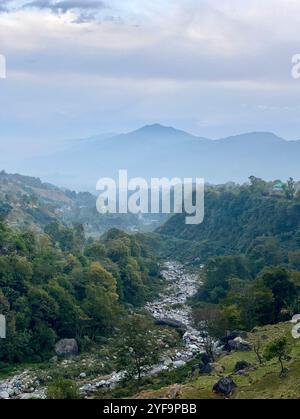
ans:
(171, 305)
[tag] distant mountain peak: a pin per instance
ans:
(154, 128)
(255, 136)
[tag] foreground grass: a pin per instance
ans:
(261, 382)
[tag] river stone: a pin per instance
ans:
(167, 361)
(194, 348)
(296, 331)
(295, 319)
(174, 392)
(179, 364)
(205, 369)
(232, 336)
(239, 344)
(4, 395)
(242, 366)
(66, 347)
(28, 396)
(225, 386)
(174, 324)
(217, 368)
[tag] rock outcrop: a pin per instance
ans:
(239, 344)
(67, 347)
(225, 386)
(242, 366)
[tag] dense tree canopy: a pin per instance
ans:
(254, 219)
(54, 285)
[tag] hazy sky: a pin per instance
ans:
(80, 67)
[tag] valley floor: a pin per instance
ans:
(92, 372)
(172, 378)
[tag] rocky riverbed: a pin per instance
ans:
(22, 386)
(170, 308)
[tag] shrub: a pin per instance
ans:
(63, 389)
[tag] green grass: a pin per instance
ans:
(261, 382)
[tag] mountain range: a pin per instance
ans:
(156, 151)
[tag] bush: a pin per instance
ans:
(63, 389)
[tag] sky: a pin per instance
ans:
(78, 68)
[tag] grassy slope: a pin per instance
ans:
(261, 383)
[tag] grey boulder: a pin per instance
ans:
(66, 347)
(239, 344)
(225, 386)
(242, 366)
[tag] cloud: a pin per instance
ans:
(83, 10)
(191, 61)
(4, 5)
(63, 6)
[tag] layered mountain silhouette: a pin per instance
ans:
(156, 151)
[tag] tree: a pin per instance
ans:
(257, 348)
(101, 298)
(5, 209)
(290, 188)
(257, 305)
(137, 349)
(218, 273)
(212, 324)
(52, 287)
(133, 286)
(265, 251)
(279, 348)
(294, 259)
(283, 289)
(257, 184)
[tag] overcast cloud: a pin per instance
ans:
(76, 68)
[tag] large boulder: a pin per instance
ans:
(205, 369)
(217, 368)
(233, 335)
(204, 358)
(239, 344)
(242, 366)
(66, 347)
(295, 319)
(225, 386)
(296, 331)
(174, 392)
(179, 364)
(174, 324)
(4, 395)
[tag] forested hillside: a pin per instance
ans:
(260, 219)
(55, 285)
(249, 243)
(28, 202)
